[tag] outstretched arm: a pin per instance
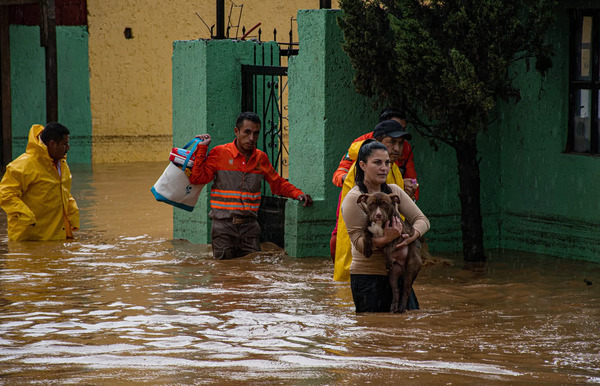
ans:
(306, 199)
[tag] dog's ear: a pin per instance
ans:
(362, 202)
(362, 198)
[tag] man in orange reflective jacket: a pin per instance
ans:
(404, 160)
(238, 169)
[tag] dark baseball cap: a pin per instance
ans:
(392, 129)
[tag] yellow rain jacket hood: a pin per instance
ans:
(36, 198)
(343, 247)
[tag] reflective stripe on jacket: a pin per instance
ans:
(36, 198)
(236, 189)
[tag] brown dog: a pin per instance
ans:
(381, 208)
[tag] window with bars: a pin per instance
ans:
(584, 83)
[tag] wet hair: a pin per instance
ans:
(247, 116)
(365, 152)
(53, 131)
(391, 112)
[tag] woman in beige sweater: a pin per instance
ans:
(371, 290)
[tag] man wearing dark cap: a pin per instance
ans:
(391, 134)
(404, 160)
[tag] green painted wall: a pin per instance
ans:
(28, 87)
(549, 198)
(325, 116)
(207, 98)
(438, 197)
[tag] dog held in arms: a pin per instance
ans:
(406, 260)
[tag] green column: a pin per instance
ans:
(28, 91)
(326, 114)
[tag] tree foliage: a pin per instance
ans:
(446, 61)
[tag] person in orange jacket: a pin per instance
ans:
(238, 169)
(403, 159)
(35, 191)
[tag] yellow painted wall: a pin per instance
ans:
(130, 79)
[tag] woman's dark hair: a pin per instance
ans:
(53, 131)
(366, 149)
(247, 116)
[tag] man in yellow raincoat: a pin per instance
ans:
(391, 134)
(35, 191)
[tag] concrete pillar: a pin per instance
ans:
(28, 87)
(326, 114)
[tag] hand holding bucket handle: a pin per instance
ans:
(205, 139)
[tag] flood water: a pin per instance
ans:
(124, 303)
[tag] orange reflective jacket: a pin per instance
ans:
(237, 183)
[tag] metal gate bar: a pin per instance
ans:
(263, 88)
(271, 110)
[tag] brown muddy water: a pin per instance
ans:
(124, 303)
